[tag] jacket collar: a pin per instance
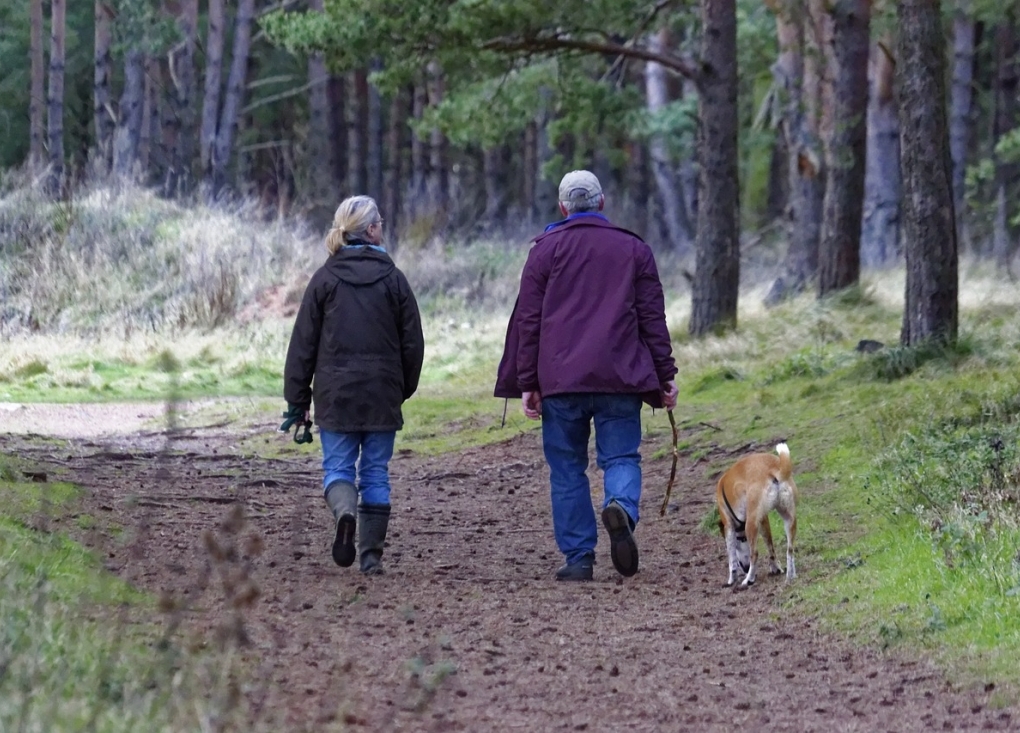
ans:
(363, 243)
(577, 222)
(575, 217)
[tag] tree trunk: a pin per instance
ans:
(213, 83)
(130, 114)
(797, 73)
(931, 309)
(37, 97)
(149, 137)
(638, 184)
(779, 180)
(158, 159)
(337, 86)
(394, 174)
(160, 154)
(235, 94)
(880, 236)
(358, 145)
(717, 275)
(1006, 84)
(529, 175)
(688, 170)
(419, 154)
(320, 149)
(839, 256)
(601, 166)
(546, 190)
(961, 95)
(55, 99)
(180, 122)
(664, 168)
(495, 186)
(375, 139)
(103, 114)
(439, 170)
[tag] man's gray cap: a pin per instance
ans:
(580, 186)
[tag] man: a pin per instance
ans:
(587, 341)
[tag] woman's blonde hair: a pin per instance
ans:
(351, 221)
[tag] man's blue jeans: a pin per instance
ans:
(566, 427)
(370, 474)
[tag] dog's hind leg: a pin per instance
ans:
(731, 553)
(766, 532)
(752, 546)
(790, 525)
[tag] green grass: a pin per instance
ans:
(898, 591)
(939, 562)
(77, 651)
(114, 380)
(908, 463)
(443, 423)
(78, 656)
(58, 670)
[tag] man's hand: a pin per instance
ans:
(669, 394)
(532, 403)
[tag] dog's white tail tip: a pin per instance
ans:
(783, 449)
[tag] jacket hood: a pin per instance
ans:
(360, 265)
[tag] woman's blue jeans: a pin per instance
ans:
(361, 459)
(566, 427)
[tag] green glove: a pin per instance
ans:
(295, 415)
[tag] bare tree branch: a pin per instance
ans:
(641, 29)
(277, 97)
(278, 79)
(283, 5)
(558, 43)
(264, 145)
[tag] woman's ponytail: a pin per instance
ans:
(351, 222)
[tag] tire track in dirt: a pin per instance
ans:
(467, 631)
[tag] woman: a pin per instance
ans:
(358, 333)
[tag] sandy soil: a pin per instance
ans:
(467, 631)
(78, 421)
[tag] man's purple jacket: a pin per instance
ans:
(590, 317)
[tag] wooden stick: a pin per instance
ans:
(672, 470)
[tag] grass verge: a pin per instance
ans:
(908, 461)
(76, 649)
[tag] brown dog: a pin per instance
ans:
(745, 494)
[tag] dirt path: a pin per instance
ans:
(80, 421)
(467, 631)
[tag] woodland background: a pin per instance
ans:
(715, 127)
